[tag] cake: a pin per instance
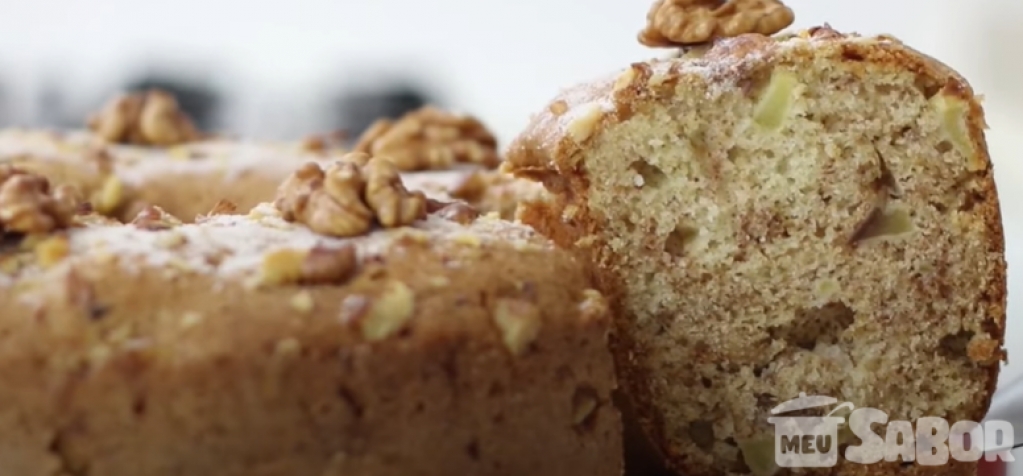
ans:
(351, 327)
(122, 167)
(770, 216)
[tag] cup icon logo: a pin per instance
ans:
(807, 441)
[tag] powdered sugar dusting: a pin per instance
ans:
(232, 247)
(137, 165)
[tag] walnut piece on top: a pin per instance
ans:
(349, 197)
(430, 139)
(674, 23)
(151, 118)
(28, 204)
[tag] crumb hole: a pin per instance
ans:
(953, 346)
(944, 147)
(702, 434)
(706, 382)
(823, 324)
(630, 226)
(886, 181)
(473, 449)
(652, 176)
(782, 166)
(585, 401)
(970, 201)
(766, 401)
(880, 223)
(139, 407)
(353, 403)
(928, 86)
(851, 55)
(680, 239)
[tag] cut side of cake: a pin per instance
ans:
(813, 213)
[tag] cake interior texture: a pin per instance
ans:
(811, 216)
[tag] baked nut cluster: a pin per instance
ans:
(349, 197)
(430, 139)
(674, 23)
(151, 118)
(28, 204)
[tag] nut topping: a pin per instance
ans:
(149, 118)
(320, 265)
(155, 218)
(347, 198)
(29, 205)
(387, 196)
(430, 139)
(674, 23)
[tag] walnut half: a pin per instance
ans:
(674, 23)
(149, 118)
(430, 139)
(349, 197)
(28, 204)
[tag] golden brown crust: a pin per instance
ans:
(446, 351)
(550, 150)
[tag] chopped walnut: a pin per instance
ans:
(674, 23)
(320, 265)
(322, 143)
(387, 196)
(471, 188)
(328, 202)
(459, 213)
(345, 199)
(149, 118)
(153, 218)
(29, 205)
(430, 139)
(223, 207)
(329, 265)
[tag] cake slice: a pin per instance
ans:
(809, 213)
(351, 328)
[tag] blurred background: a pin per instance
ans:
(285, 69)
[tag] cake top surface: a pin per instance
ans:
(578, 113)
(135, 165)
(236, 246)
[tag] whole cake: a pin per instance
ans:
(141, 150)
(809, 213)
(351, 328)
